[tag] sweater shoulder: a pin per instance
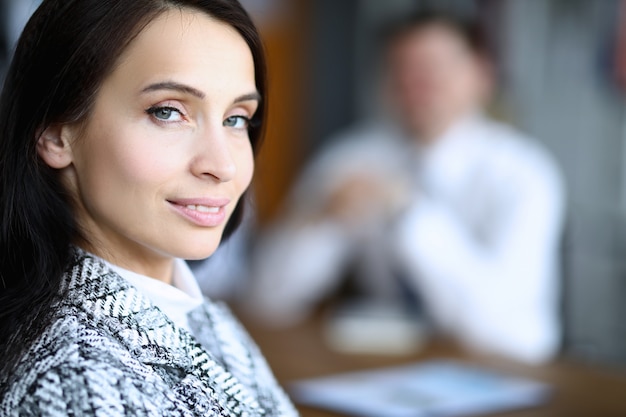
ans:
(75, 367)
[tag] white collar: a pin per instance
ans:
(175, 300)
(447, 162)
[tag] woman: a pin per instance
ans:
(127, 137)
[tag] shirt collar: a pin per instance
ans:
(449, 159)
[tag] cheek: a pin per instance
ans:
(145, 163)
(109, 166)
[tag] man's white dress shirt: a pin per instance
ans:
(477, 231)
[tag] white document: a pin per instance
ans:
(433, 388)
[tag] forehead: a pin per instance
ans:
(190, 46)
(435, 36)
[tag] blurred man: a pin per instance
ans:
(464, 211)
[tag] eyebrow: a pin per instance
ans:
(174, 86)
(170, 85)
(248, 97)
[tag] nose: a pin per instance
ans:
(214, 157)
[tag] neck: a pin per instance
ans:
(153, 266)
(428, 135)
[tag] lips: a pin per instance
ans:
(204, 212)
(203, 209)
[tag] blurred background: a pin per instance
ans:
(561, 77)
(560, 72)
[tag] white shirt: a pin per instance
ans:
(478, 237)
(175, 300)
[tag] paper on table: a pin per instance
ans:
(434, 388)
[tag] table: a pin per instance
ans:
(580, 389)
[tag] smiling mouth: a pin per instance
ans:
(203, 209)
(201, 212)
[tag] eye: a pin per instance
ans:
(165, 113)
(237, 122)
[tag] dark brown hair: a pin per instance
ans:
(65, 52)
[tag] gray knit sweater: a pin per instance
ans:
(110, 352)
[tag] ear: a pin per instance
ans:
(53, 146)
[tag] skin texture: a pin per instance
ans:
(149, 143)
(435, 79)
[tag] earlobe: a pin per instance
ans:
(53, 146)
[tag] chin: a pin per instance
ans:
(199, 248)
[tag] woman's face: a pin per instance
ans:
(160, 164)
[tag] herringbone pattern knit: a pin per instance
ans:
(110, 352)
